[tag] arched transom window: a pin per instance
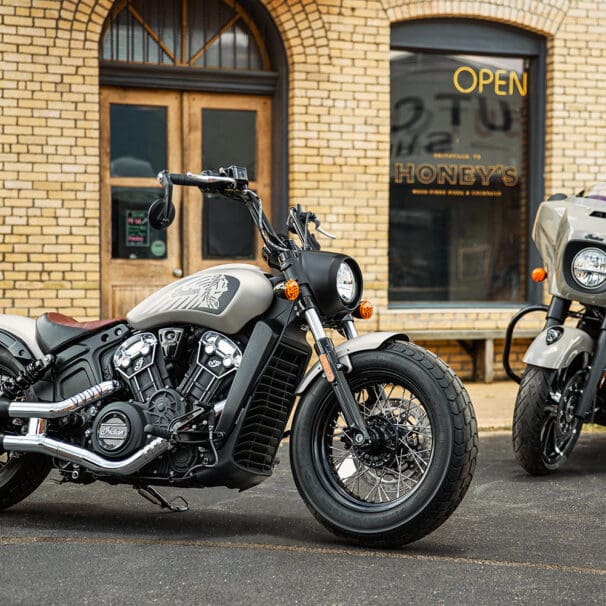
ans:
(206, 34)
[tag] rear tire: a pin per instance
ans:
(421, 464)
(20, 474)
(544, 434)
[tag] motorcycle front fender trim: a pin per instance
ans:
(560, 354)
(369, 342)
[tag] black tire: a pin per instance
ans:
(540, 447)
(426, 461)
(20, 474)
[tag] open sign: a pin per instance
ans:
(467, 79)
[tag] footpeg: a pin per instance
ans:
(153, 496)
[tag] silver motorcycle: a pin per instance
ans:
(196, 386)
(563, 385)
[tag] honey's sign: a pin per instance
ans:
(455, 174)
(504, 82)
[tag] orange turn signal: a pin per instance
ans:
(538, 274)
(291, 290)
(330, 375)
(365, 310)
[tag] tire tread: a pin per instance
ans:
(462, 461)
(528, 419)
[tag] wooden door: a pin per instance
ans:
(225, 130)
(144, 132)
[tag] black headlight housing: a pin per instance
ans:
(320, 271)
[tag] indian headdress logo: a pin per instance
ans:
(206, 291)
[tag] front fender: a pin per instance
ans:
(560, 354)
(18, 337)
(373, 340)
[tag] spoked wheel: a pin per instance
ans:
(545, 430)
(420, 459)
(396, 461)
(20, 474)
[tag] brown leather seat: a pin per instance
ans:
(55, 330)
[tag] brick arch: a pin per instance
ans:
(302, 28)
(300, 25)
(82, 19)
(541, 17)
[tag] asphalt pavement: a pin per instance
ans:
(513, 540)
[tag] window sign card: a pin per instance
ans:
(132, 235)
(137, 228)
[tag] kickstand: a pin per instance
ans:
(153, 496)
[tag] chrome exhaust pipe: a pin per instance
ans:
(42, 444)
(53, 410)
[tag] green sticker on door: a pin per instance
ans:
(158, 248)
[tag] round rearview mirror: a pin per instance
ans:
(161, 214)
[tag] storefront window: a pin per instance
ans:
(458, 182)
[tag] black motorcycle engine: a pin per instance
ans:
(139, 362)
(215, 360)
(117, 430)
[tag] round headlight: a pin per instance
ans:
(589, 267)
(347, 285)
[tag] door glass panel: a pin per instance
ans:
(229, 137)
(132, 235)
(228, 229)
(138, 140)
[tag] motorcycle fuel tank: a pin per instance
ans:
(223, 298)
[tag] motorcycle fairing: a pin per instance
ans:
(557, 225)
(562, 352)
(367, 342)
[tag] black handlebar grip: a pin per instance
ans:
(179, 179)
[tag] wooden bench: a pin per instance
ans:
(478, 344)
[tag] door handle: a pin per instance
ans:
(177, 272)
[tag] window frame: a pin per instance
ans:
(466, 36)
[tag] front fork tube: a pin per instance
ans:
(335, 376)
(349, 328)
(557, 311)
(598, 364)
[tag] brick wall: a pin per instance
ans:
(49, 158)
(338, 54)
(460, 361)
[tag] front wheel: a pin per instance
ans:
(545, 429)
(421, 459)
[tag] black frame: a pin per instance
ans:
(460, 36)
